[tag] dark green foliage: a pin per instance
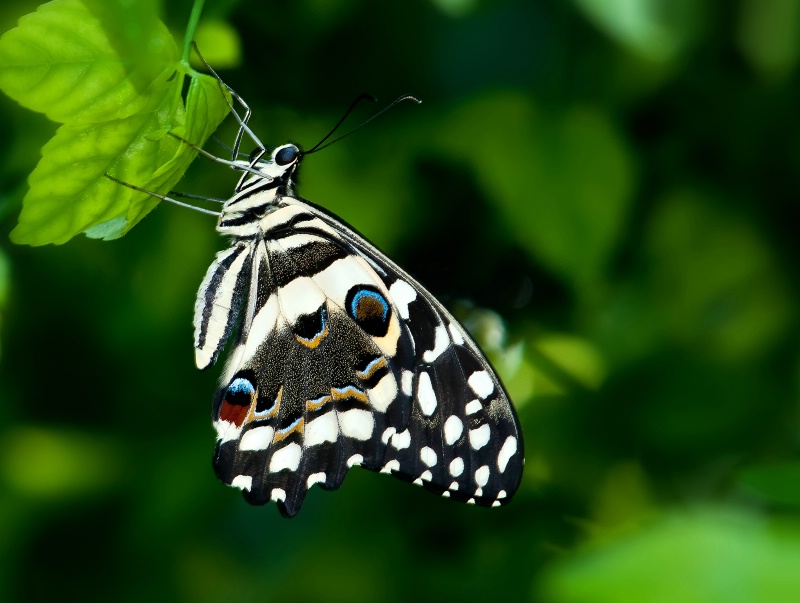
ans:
(604, 190)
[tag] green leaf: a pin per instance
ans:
(74, 66)
(777, 482)
(569, 203)
(769, 35)
(113, 76)
(713, 277)
(657, 30)
(711, 555)
(69, 191)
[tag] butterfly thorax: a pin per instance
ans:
(263, 185)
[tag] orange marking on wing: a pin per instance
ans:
(298, 426)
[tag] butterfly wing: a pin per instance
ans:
(342, 359)
(464, 438)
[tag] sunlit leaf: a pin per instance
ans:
(688, 557)
(656, 29)
(70, 61)
(117, 85)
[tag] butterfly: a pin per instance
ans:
(339, 358)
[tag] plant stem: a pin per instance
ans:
(194, 19)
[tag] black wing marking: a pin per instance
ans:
(310, 393)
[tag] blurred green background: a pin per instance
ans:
(605, 191)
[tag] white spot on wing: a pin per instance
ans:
(402, 294)
(282, 215)
(453, 428)
(496, 503)
(390, 431)
(479, 437)
(425, 394)
(258, 438)
(472, 407)
(287, 457)
(322, 429)
(294, 241)
(456, 469)
(454, 333)
(440, 344)
(501, 494)
(453, 486)
(446, 494)
(278, 495)
(506, 452)
(356, 459)
(428, 456)
(337, 279)
(315, 478)
(406, 381)
(481, 383)
(298, 297)
(384, 393)
(243, 482)
(401, 440)
(357, 423)
(482, 476)
(226, 431)
(393, 465)
(426, 476)
(263, 324)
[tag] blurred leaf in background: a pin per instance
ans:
(604, 191)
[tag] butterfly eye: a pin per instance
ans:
(369, 308)
(286, 154)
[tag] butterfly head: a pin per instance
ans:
(274, 171)
(281, 165)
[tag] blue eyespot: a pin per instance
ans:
(240, 392)
(286, 154)
(369, 309)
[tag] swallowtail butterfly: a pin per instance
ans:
(339, 358)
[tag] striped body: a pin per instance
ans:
(340, 359)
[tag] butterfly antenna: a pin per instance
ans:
(319, 146)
